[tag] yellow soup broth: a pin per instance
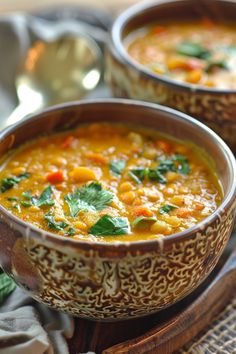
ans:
(109, 182)
(201, 53)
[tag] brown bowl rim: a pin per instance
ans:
(116, 44)
(226, 204)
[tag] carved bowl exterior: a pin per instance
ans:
(115, 281)
(127, 78)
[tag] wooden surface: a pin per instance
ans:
(165, 331)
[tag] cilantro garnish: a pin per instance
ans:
(90, 197)
(191, 49)
(117, 166)
(12, 199)
(44, 199)
(27, 195)
(216, 64)
(182, 164)
(139, 174)
(178, 163)
(166, 208)
(52, 224)
(8, 183)
(108, 226)
(70, 232)
(143, 221)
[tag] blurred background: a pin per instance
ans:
(29, 5)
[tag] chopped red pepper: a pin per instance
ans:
(158, 29)
(55, 177)
(68, 141)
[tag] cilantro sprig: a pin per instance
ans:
(90, 197)
(117, 167)
(110, 226)
(9, 182)
(45, 198)
(166, 208)
(178, 163)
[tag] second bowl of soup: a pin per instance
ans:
(113, 211)
(176, 53)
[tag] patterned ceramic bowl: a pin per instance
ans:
(123, 280)
(127, 78)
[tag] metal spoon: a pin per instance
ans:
(55, 72)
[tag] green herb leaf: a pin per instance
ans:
(17, 207)
(70, 232)
(12, 199)
(27, 195)
(155, 175)
(7, 285)
(193, 50)
(108, 226)
(25, 204)
(216, 64)
(90, 197)
(166, 208)
(117, 166)
(8, 183)
(139, 174)
(52, 224)
(166, 165)
(44, 198)
(143, 221)
(182, 164)
(134, 177)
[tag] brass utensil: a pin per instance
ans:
(65, 69)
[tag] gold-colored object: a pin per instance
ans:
(55, 72)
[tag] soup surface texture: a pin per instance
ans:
(196, 53)
(109, 182)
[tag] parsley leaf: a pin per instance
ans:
(166, 208)
(70, 232)
(143, 221)
(90, 197)
(8, 183)
(25, 204)
(108, 226)
(139, 174)
(182, 164)
(12, 199)
(44, 198)
(52, 224)
(27, 195)
(117, 166)
(192, 49)
(216, 64)
(155, 175)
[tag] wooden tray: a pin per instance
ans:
(140, 335)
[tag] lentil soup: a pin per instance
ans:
(202, 53)
(109, 182)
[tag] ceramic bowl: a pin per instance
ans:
(127, 78)
(114, 281)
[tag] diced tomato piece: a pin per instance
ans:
(159, 29)
(68, 141)
(55, 177)
(164, 146)
(142, 210)
(208, 22)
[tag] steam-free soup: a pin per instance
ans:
(109, 182)
(201, 53)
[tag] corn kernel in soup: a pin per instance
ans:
(109, 182)
(202, 53)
